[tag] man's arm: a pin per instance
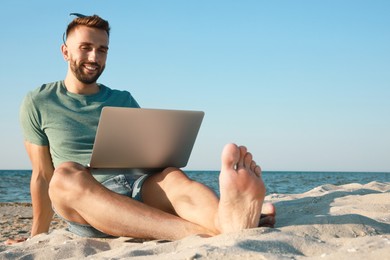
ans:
(42, 171)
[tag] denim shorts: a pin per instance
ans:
(127, 184)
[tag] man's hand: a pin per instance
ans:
(12, 241)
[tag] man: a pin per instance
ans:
(59, 122)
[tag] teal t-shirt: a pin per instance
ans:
(67, 122)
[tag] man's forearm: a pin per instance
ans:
(42, 210)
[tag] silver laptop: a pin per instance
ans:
(144, 138)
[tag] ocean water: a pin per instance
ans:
(15, 184)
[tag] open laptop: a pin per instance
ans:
(144, 138)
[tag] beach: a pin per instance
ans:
(350, 221)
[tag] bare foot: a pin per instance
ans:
(242, 190)
(268, 215)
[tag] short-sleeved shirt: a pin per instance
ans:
(67, 122)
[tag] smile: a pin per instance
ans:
(91, 67)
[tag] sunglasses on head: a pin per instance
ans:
(78, 16)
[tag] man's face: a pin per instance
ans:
(87, 53)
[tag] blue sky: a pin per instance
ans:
(305, 85)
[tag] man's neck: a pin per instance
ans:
(75, 86)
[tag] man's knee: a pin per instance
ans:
(174, 180)
(173, 174)
(67, 181)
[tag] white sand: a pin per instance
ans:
(329, 222)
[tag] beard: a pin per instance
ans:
(78, 71)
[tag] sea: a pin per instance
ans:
(15, 184)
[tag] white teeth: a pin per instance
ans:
(90, 68)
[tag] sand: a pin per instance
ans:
(329, 222)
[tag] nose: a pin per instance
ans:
(93, 55)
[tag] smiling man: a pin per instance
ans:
(86, 52)
(59, 122)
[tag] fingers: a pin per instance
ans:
(12, 241)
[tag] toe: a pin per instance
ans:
(257, 170)
(248, 160)
(241, 161)
(268, 209)
(253, 166)
(230, 156)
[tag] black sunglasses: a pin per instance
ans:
(78, 16)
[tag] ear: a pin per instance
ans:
(65, 53)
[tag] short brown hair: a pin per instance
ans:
(93, 21)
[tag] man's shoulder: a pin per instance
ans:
(45, 90)
(113, 91)
(116, 97)
(117, 93)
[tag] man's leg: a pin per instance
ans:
(78, 197)
(172, 191)
(242, 195)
